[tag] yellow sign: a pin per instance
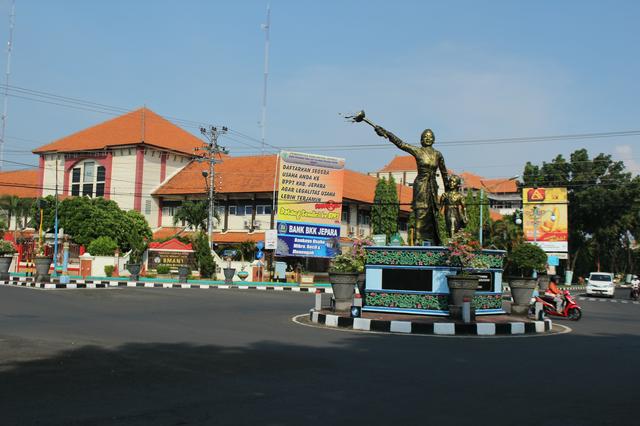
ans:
(545, 220)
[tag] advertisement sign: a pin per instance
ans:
(309, 205)
(545, 218)
(173, 259)
(270, 239)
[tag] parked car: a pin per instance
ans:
(601, 283)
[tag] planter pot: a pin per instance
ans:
(5, 263)
(43, 263)
(521, 292)
(183, 273)
(362, 285)
(461, 287)
(228, 275)
(543, 283)
(343, 285)
(134, 270)
(242, 275)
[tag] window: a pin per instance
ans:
(248, 210)
(345, 214)
(169, 211)
(363, 218)
(88, 177)
(147, 207)
(233, 210)
(264, 209)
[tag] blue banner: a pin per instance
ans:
(307, 240)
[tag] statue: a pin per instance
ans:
(425, 188)
(455, 215)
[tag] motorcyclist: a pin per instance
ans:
(635, 287)
(554, 292)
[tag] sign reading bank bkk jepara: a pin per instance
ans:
(309, 205)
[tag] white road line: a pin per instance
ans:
(624, 301)
(592, 300)
(613, 301)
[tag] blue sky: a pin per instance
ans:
(467, 69)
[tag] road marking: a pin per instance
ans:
(624, 301)
(613, 301)
(592, 300)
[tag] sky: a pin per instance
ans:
(485, 72)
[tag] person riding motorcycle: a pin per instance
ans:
(554, 292)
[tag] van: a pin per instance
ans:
(601, 283)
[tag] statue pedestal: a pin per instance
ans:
(413, 280)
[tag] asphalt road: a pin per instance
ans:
(211, 357)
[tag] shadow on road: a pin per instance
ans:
(363, 379)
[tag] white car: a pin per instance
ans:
(601, 283)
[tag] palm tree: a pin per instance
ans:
(11, 206)
(246, 249)
(194, 214)
(25, 205)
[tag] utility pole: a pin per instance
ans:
(209, 152)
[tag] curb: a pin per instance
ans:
(89, 284)
(438, 328)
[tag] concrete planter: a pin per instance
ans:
(134, 270)
(461, 287)
(362, 284)
(228, 275)
(5, 263)
(343, 285)
(521, 292)
(543, 283)
(43, 263)
(183, 273)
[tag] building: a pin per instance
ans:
(146, 163)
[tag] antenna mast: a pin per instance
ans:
(263, 123)
(12, 17)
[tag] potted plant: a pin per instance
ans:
(138, 247)
(183, 273)
(242, 274)
(42, 263)
(343, 275)
(524, 259)
(229, 272)
(463, 251)
(6, 249)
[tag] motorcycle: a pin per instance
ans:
(571, 309)
(635, 290)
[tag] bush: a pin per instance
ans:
(525, 258)
(163, 269)
(6, 247)
(344, 263)
(108, 270)
(102, 246)
(204, 258)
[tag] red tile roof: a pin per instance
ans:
(474, 181)
(256, 174)
(141, 126)
(172, 244)
(21, 183)
(401, 163)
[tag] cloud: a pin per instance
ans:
(625, 153)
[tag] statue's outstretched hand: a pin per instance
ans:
(380, 131)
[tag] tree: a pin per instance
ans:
(102, 246)
(11, 206)
(194, 213)
(386, 208)
(604, 208)
(473, 203)
(505, 234)
(246, 249)
(204, 259)
(378, 209)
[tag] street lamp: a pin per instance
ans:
(482, 197)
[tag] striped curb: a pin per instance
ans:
(438, 328)
(597, 299)
(89, 284)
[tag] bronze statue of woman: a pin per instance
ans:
(425, 187)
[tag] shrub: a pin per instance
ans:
(6, 247)
(163, 269)
(525, 258)
(108, 270)
(344, 263)
(204, 258)
(102, 246)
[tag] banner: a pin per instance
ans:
(309, 205)
(545, 219)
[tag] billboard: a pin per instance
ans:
(309, 205)
(545, 218)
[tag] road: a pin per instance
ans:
(202, 357)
